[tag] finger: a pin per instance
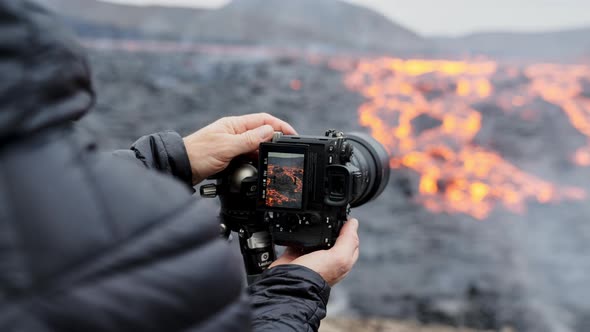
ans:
(251, 121)
(348, 241)
(250, 140)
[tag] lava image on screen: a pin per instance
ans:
(284, 182)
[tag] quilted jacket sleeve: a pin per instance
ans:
(285, 298)
(289, 298)
(163, 151)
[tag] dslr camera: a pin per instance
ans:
(298, 192)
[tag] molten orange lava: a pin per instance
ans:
(457, 176)
(562, 86)
(290, 182)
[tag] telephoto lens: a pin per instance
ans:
(372, 160)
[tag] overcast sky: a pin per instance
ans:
(456, 17)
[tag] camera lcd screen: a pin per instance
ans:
(284, 180)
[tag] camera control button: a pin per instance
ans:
(331, 148)
(305, 220)
(346, 152)
(209, 190)
(293, 219)
(330, 159)
(314, 219)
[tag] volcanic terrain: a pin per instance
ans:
(485, 219)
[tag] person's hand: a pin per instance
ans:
(212, 148)
(334, 264)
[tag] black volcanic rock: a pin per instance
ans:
(423, 123)
(526, 271)
(528, 133)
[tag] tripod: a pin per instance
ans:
(237, 190)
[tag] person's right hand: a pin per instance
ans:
(212, 148)
(334, 264)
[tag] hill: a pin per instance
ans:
(558, 45)
(155, 20)
(302, 21)
(287, 23)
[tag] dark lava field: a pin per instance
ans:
(485, 222)
(525, 270)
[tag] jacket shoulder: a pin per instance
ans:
(110, 246)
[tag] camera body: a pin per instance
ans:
(306, 185)
(297, 193)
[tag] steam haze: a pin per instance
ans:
(458, 17)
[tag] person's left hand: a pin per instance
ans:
(212, 148)
(332, 265)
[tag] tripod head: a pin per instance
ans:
(298, 193)
(236, 187)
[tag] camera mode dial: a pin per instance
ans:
(334, 133)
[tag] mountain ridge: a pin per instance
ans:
(312, 23)
(331, 22)
(559, 44)
(151, 19)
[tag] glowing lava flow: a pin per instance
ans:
(562, 86)
(284, 187)
(457, 176)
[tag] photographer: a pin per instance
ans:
(114, 242)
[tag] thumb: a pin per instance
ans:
(348, 241)
(250, 140)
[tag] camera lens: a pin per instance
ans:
(373, 161)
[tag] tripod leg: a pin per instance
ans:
(258, 253)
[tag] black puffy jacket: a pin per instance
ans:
(104, 242)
